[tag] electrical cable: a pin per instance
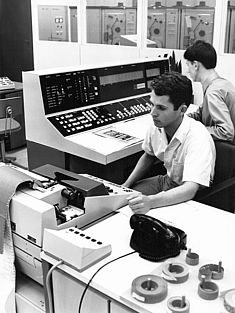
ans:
(88, 284)
(48, 285)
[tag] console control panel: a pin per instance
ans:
(86, 119)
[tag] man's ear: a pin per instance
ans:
(196, 65)
(183, 108)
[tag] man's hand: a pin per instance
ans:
(139, 203)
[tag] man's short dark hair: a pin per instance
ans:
(175, 85)
(203, 52)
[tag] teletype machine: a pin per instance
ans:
(57, 199)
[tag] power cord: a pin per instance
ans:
(48, 281)
(89, 282)
(48, 285)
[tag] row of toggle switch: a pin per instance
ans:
(83, 235)
(87, 119)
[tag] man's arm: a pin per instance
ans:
(221, 127)
(143, 165)
(141, 204)
(196, 115)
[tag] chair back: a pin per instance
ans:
(15, 104)
(8, 102)
(222, 192)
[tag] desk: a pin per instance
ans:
(210, 233)
(18, 88)
(90, 153)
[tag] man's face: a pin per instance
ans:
(162, 112)
(191, 68)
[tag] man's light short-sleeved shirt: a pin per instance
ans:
(218, 109)
(190, 155)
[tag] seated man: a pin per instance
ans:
(183, 144)
(218, 108)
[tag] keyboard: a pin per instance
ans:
(91, 118)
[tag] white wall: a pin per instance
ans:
(56, 54)
(226, 61)
(49, 54)
(93, 53)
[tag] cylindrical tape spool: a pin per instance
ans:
(208, 290)
(229, 300)
(175, 272)
(192, 258)
(204, 272)
(211, 271)
(178, 305)
(149, 289)
(217, 271)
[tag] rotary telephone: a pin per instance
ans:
(155, 240)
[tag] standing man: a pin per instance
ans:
(218, 109)
(183, 144)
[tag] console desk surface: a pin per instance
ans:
(210, 233)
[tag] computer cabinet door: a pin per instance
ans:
(118, 308)
(67, 293)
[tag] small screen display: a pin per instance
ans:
(152, 72)
(121, 77)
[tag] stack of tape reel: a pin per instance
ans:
(207, 289)
(175, 272)
(153, 288)
(178, 305)
(211, 271)
(149, 288)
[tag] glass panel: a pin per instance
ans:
(57, 23)
(112, 22)
(230, 28)
(177, 24)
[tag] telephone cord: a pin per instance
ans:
(90, 280)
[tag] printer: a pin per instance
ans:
(57, 199)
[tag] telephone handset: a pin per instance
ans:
(155, 240)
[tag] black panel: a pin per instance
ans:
(16, 52)
(70, 90)
(121, 81)
(81, 90)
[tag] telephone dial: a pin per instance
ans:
(155, 240)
